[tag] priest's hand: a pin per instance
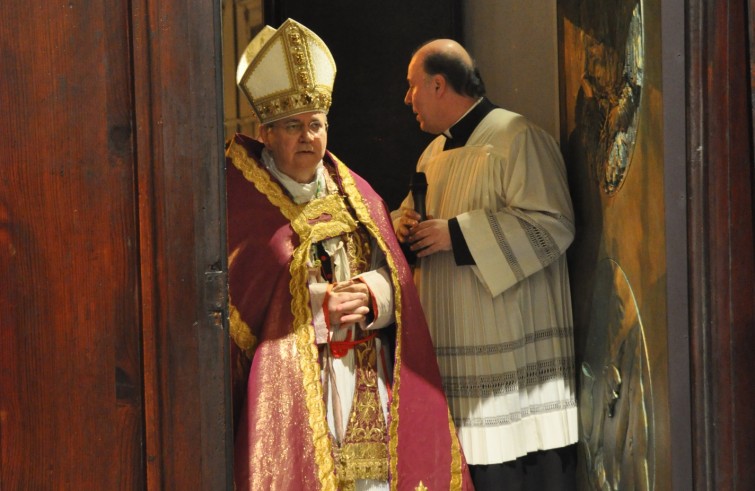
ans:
(348, 303)
(403, 224)
(430, 236)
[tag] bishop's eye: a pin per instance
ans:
(293, 128)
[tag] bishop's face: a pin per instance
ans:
(297, 143)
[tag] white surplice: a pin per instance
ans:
(502, 328)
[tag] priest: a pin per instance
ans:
(492, 275)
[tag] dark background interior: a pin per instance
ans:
(371, 130)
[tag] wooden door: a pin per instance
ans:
(112, 265)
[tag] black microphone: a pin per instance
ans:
(418, 185)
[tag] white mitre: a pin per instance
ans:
(286, 71)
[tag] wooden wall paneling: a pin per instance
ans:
(230, 98)
(721, 246)
(70, 357)
(178, 107)
(248, 22)
(242, 19)
(141, 27)
(699, 265)
(740, 259)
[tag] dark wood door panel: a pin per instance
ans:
(70, 375)
(179, 139)
(113, 339)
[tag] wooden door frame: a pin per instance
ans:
(178, 108)
(721, 264)
(677, 280)
(174, 81)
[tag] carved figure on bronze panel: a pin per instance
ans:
(616, 403)
(608, 103)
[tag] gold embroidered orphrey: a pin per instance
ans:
(364, 453)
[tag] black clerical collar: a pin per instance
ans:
(462, 130)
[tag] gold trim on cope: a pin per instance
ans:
(365, 218)
(304, 334)
(456, 464)
(240, 332)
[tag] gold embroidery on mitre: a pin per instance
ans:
(286, 71)
(307, 93)
(421, 487)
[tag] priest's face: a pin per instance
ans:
(297, 144)
(421, 96)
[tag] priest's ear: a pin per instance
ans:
(439, 84)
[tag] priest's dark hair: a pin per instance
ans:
(464, 79)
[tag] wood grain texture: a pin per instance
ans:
(751, 36)
(178, 111)
(69, 313)
(113, 344)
